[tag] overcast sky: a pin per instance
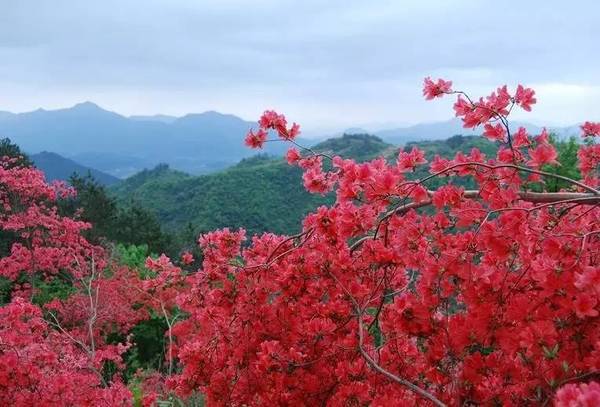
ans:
(327, 64)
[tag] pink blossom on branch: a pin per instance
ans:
(256, 139)
(433, 89)
(524, 97)
(590, 129)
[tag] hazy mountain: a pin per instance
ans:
(155, 118)
(56, 167)
(119, 165)
(449, 128)
(196, 143)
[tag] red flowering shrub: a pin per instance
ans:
(490, 299)
(57, 355)
(396, 295)
(41, 366)
(46, 243)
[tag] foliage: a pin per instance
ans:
(255, 194)
(137, 226)
(93, 205)
(11, 150)
(127, 224)
(567, 157)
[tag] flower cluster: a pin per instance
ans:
(271, 120)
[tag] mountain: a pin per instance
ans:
(449, 128)
(195, 143)
(424, 131)
(260, 193)
(155, 118)
(56, 167)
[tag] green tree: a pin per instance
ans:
(136, 225)
(567, 157)
(96, 207)
(9, 149)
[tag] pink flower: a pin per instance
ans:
(585, 305)
(272, 120)
(256, 140)
(435, 89)
(409, 161)
(590, 129)
(542, 154)
(578, 395)
(494, 133)
(525, 97)
(292, 133)
(187, 258)
(462, 107)
(292, 156)
(520, 138)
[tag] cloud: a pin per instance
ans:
(328, 63)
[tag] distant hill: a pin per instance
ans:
(449, 128)
(56, 167)
(155, 118)
(195, 143)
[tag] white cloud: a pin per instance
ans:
(335, 63)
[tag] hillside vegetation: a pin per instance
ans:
(260, 193)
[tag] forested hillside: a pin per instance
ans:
(261, 193)
(264, 193)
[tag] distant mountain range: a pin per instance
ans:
(195, 143)
(57, 167)
(449, 128)
(121, 146)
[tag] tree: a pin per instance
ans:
(93, 205)
(136, 225)
(61, 359)
(10, 150)
(491, 299)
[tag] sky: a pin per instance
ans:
(325, 64)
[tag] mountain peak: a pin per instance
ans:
(87, 105)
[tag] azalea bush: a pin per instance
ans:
(54, 351)
(399, 294)
(66, 332)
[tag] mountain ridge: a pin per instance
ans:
(57, 167)
(197, 143)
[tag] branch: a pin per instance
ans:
(371, 362)
(544, 198)
(513, 166)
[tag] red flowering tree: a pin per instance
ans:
(57, 355)
(403, 295)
